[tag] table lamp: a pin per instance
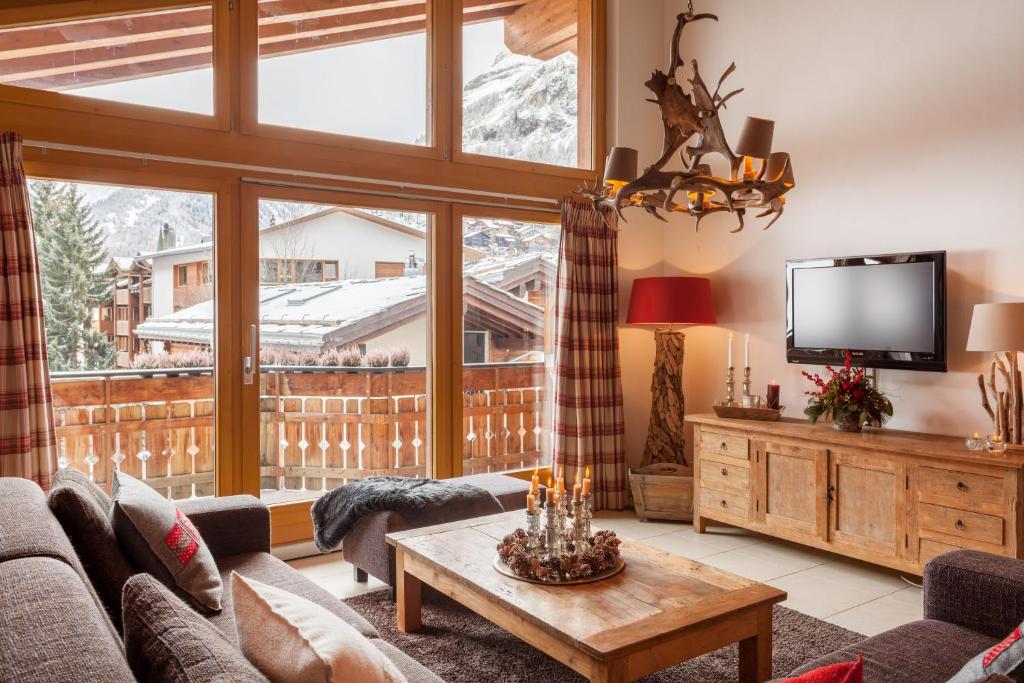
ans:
(999, 328)
(669, 301)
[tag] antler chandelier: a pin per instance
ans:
(694, 115)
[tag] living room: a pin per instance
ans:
(250, 436)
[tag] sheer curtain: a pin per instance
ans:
(588, 418)
(26, 416)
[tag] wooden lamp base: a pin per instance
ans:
(666, 441)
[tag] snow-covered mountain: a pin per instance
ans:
(521, 108)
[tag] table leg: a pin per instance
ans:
(756, 652)
(609, 672)
(409, 596)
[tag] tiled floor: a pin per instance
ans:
(857, 596)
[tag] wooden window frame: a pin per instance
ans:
(85, 9)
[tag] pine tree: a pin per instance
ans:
(71, 250)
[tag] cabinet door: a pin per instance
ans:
(868, 495)
(791, 496)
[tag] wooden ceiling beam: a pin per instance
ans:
(541, 26)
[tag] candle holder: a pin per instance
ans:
(552, 544)
(561, 512)
(587, 515)
(975, 442)
(995, 444)
(579, 538)
(534, 538)
(746, 381)
(730, 387)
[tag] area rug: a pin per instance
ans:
(461, 647)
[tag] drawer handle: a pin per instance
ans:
(959, 525)
(725, 472)
(723, 446)
(723, 502)
(961, 486)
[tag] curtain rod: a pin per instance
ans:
(44, 146)
(401, 195)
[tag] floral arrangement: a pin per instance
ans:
(848, 398)
(601, 555)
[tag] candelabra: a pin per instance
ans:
(730, 387)
(553, 542)
(588, 515)
(746, 381)
(534, 539)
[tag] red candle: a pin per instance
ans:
(772, 396)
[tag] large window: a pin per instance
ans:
(343, 362)
(352, 68)
(508, 291)
(161, 58)
(526, 81)
(132, 383)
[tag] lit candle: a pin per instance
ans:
(535, 482)
(531, 502)
(577, 491)
(729, 364)
(561, 485)
(748, 169)
(555, 497)
(586, 482)
(772, 396)
(975, 436)
(746, 351)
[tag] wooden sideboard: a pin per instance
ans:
(888, 497)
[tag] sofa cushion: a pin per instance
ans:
(292, 639)
(510, 491)
(1004, 658)
(51, 628)
(161, 540)
(270, 570)
(169, 642)
(83, 509)
(413, 671)
(918, 652)
(842, 672)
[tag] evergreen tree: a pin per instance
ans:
(71, 250)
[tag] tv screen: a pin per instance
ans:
(889, 310)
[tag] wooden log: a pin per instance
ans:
(984, 398)
(665, 437)
(1017, 398)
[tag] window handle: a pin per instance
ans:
(248, 362)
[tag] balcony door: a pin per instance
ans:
(509, 261)
(341, 290)
(129, 308)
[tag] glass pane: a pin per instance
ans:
(343, 351)
(159, 58)
(128, 308)
(508, 299)
(526, 88)
(351, 68)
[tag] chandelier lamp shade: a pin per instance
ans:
(756, 178)
(668, 301)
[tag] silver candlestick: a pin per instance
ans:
(588, 515)
(746, 381)
(552, 545)
(730, 387)
(534, 540)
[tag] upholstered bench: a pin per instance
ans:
(364, 546)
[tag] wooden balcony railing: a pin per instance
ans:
(320, 427)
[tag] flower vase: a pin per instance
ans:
(847, 423)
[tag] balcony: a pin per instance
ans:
(122, 297)
(123, 328)
(321, 427)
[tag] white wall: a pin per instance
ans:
(905, 124)
(411, 335)
(163, 279)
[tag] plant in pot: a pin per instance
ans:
(848, 397)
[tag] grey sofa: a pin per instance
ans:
(364, 546)
(972, 600)
(55, 627)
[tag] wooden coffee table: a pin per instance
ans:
(660, 610)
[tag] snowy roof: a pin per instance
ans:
(336, 314)
(119, 264)
(507, 272)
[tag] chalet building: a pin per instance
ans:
(130, 304)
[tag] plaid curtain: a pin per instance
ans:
(588, 384)
(26, 416)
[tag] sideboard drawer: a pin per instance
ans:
(964, 487)
(732, 504)
(931, 549)
(724, 476)
(972, 525)
(718, 445)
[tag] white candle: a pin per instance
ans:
(746, 351)
(729, 364)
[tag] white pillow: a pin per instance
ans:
(291, 639)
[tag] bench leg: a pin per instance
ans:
(409, 598)
(359, 575)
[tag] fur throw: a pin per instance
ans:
(422, 502)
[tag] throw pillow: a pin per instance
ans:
(160, 539)
(289, 638)
(1003, 658)
(166, 641)
(843, 672)
(83, 510)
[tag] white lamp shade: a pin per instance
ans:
(997, 327)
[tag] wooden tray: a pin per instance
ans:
(507, 571)
(741, 413)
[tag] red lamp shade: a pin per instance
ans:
(671, 300)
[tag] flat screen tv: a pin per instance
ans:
(889, 311)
